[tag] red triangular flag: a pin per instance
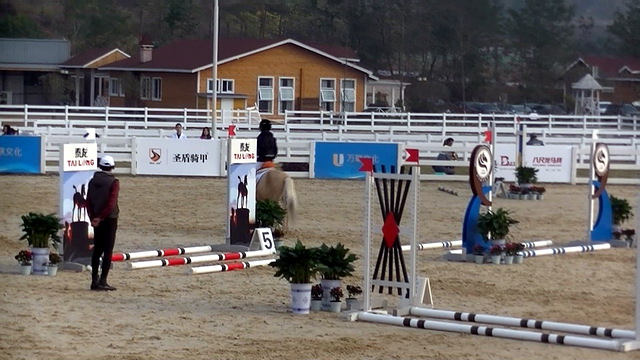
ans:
(412, 155)
(232, 130)
(488, 137)
(367, 164)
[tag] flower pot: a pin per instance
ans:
(495, 259)
(52, 270)
(508, 259)
(316, 305)
(335, 306)
(352, 303)
(327, 285)
(40, 260)
(540, 196)
(300, 298)
(518, 259)
(479, 259)
(25, 269)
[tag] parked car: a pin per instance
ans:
(627, 110)
(481, 108)
(548, 109)
(517, 109)
(602, 106)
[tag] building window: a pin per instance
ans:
(348, 94)
(145, 88)
(265, 95)
(115, 87)
(286, 93)
(156, 89)
(327, 94)
(223, 86)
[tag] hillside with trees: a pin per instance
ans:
(452, 50)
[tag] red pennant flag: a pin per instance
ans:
(367, 164)
(232, 130)
(412, 156)
(488, 137)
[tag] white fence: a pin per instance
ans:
(299, 129)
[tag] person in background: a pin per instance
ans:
(267, 146)
(103, 210)
(8, 130)
(446, 155)
(206, 133)
(179, 134)
(533, 140)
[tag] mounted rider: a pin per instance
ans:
(267, 146)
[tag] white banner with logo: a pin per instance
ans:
(554, 162)
(188, 157)
(79, 157)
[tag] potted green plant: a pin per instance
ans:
(41, 231)
(54, 261)
(336, 299)
(335, 263)
(620, 210)
(526, 176)
(495, 225)
(298, 265)
(24, 257)
(316, 297)
(271, 214)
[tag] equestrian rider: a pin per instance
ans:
(267, 146)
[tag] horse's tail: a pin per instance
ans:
(290, 200)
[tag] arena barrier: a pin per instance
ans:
(240, 265)
(198, 259)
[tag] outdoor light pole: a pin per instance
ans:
(214, 93)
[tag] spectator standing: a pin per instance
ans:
(446, 155)
(533, 140)
(103, 210)
(206, 133)
(179, 134)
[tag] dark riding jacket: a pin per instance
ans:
(267, 147)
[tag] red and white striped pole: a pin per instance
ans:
(160, 253)
(198, 259)
(240, 265)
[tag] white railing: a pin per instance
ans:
(296, 134)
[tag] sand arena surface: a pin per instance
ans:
(165, 313)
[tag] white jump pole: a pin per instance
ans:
(566, 250)
(524, 323)
(455, 243)
(160, 253)
(594, 343)
(592, 175)
(198, 259)
(240, 265)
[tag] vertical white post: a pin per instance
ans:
(594, 137)
(492, 147)
(214, 94)
(366, 305)
(229, 141)
(415, 183)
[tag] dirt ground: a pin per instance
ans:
(166, 313)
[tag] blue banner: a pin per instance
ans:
(340, 160)
(20, 154)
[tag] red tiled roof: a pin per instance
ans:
(86, 57)
(610, 66)
(187, 55)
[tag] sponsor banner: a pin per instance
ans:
(340, 160)
(80, 157)
(20, 154)
(190, 157)
(243, 151)
(242, 202)
(552, 161)
(77, 238)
